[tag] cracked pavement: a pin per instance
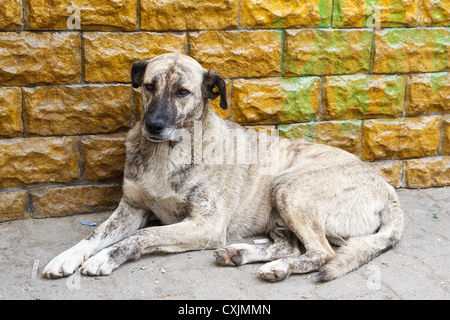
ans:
(417, 268)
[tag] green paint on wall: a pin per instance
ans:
(351, 93)
(349, 127)
(371, 12)
(391, 102)
(441, 42)
(325, 13)
(297, 104)
(305, 131)
(439, 13)
(279, 22)
(297, 95)
(438, 80)
(337, 14)
(431, 44)
(398, 13)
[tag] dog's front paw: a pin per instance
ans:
(99, 265)
(65, 264)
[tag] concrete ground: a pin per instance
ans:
(417, 268)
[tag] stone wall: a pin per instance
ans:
(370, 77)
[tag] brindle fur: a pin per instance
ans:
(318, 195)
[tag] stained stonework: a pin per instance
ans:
(327, 52)
(272, 100)
(411, 50)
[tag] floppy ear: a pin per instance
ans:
(213, 86)
(137, 72)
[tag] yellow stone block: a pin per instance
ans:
(326, 52)
(11, 15)
(276, 100)
(38, 160)
(13, 205)
(445, 148)
(163, 15)
(401, 138)
(345, 135)
(426, 173)
(238, 54)
(78, 109)
(103, 157)
(434, 13)
(285, 13)
(45, 58)
(428, 93)
(391, 171)
(268, 129)
(411, 50)
(66, 201)
(10, 112)
(381, 13)
(80, 14)
(363, 97)
(109, 56)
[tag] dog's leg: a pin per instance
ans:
(285, 245)
(195, 234)
(303, 219)
(124, 221)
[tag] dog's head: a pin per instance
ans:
(175, 91)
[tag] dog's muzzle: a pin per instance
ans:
(154, 127)
(158, 130)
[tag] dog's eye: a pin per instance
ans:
(183, 92)
(149, 87)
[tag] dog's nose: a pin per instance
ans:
(154, 127)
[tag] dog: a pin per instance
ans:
(312, 194)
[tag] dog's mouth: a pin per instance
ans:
(167, 134)
(156, 139)
(152, 137)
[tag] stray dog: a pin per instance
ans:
(315, 194)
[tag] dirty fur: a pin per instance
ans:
(315, 194)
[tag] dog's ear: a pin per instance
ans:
(137, 72)
(213, 86)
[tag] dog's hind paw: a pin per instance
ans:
(275, 271)
(230, 256)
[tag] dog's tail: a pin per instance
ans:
(360, 250)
